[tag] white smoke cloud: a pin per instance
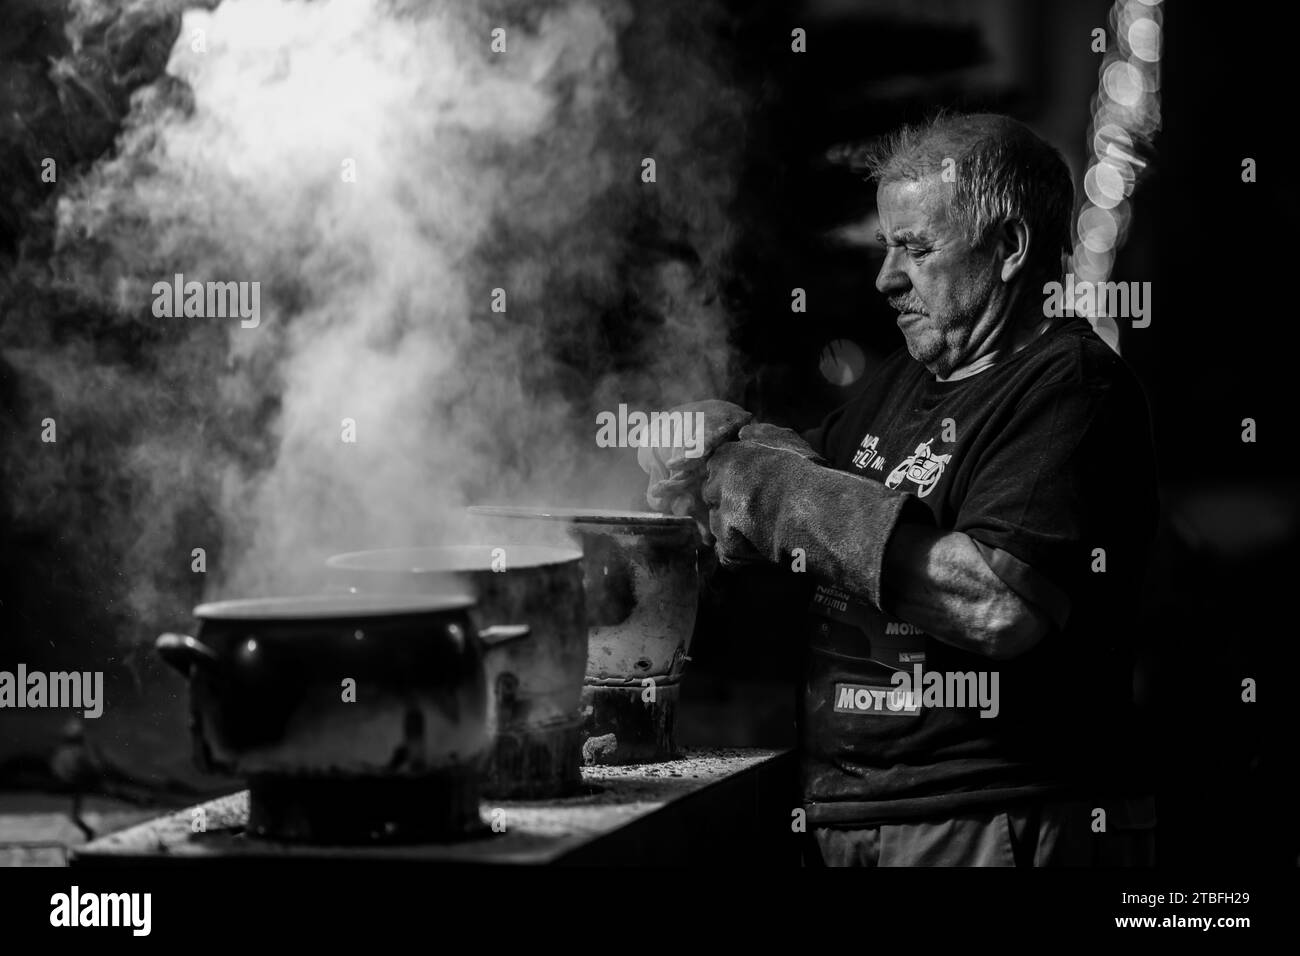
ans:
(473, 171)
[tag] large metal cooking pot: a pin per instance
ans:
(641, 577)
(338, 689)
(534, 685)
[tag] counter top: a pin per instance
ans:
(710, 806)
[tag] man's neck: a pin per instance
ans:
(1021, 327)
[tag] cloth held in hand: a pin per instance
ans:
(676, 478)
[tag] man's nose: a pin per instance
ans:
(892, 280)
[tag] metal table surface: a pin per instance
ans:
(712, 806)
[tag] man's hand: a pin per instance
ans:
(783, 439)
(770, 501)
(748, 485)
(756, 476)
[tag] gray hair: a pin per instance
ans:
(1003, 172)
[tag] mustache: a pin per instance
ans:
(907, 303)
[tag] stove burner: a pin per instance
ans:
(530, 762)
(625, 725)
(436, 809)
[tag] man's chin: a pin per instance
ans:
(929, 353)
(922, 348)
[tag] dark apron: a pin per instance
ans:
(869, 740)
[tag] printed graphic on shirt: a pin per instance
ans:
(867, 457)
(922, 468)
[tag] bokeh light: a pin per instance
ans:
(1137, 28)
(842, 362)
(1108, 134)
(1108, 330)
(1125, 115)
(1123, 82)
(1105, 185)
(1098, 229)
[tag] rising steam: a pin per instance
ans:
(474, 171)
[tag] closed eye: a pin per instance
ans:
(913, 250)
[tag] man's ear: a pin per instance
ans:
(1013, 243)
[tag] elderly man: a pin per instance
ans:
(977, 522)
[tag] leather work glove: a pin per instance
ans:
(766, 501)
(780, 439)
(675, 479)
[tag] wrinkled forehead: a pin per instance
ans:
(914, 206)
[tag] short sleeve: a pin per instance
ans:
(1069, 472)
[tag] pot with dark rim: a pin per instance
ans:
(641, 578)
(534, 685)
(354, 718)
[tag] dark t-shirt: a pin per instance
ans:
(1045, 460)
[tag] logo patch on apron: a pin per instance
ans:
(876, 701)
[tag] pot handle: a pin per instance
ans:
(184, 652)
(499, 634)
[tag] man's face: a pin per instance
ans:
(940, 286)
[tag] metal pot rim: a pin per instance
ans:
(601, 517)
(452, 558)
(338, 607)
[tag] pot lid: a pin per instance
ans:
(596, 516)
(327, 606)
(454, 558)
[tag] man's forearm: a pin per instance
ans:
(767, 504)
(939, 581)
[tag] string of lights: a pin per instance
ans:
(1125, 117)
